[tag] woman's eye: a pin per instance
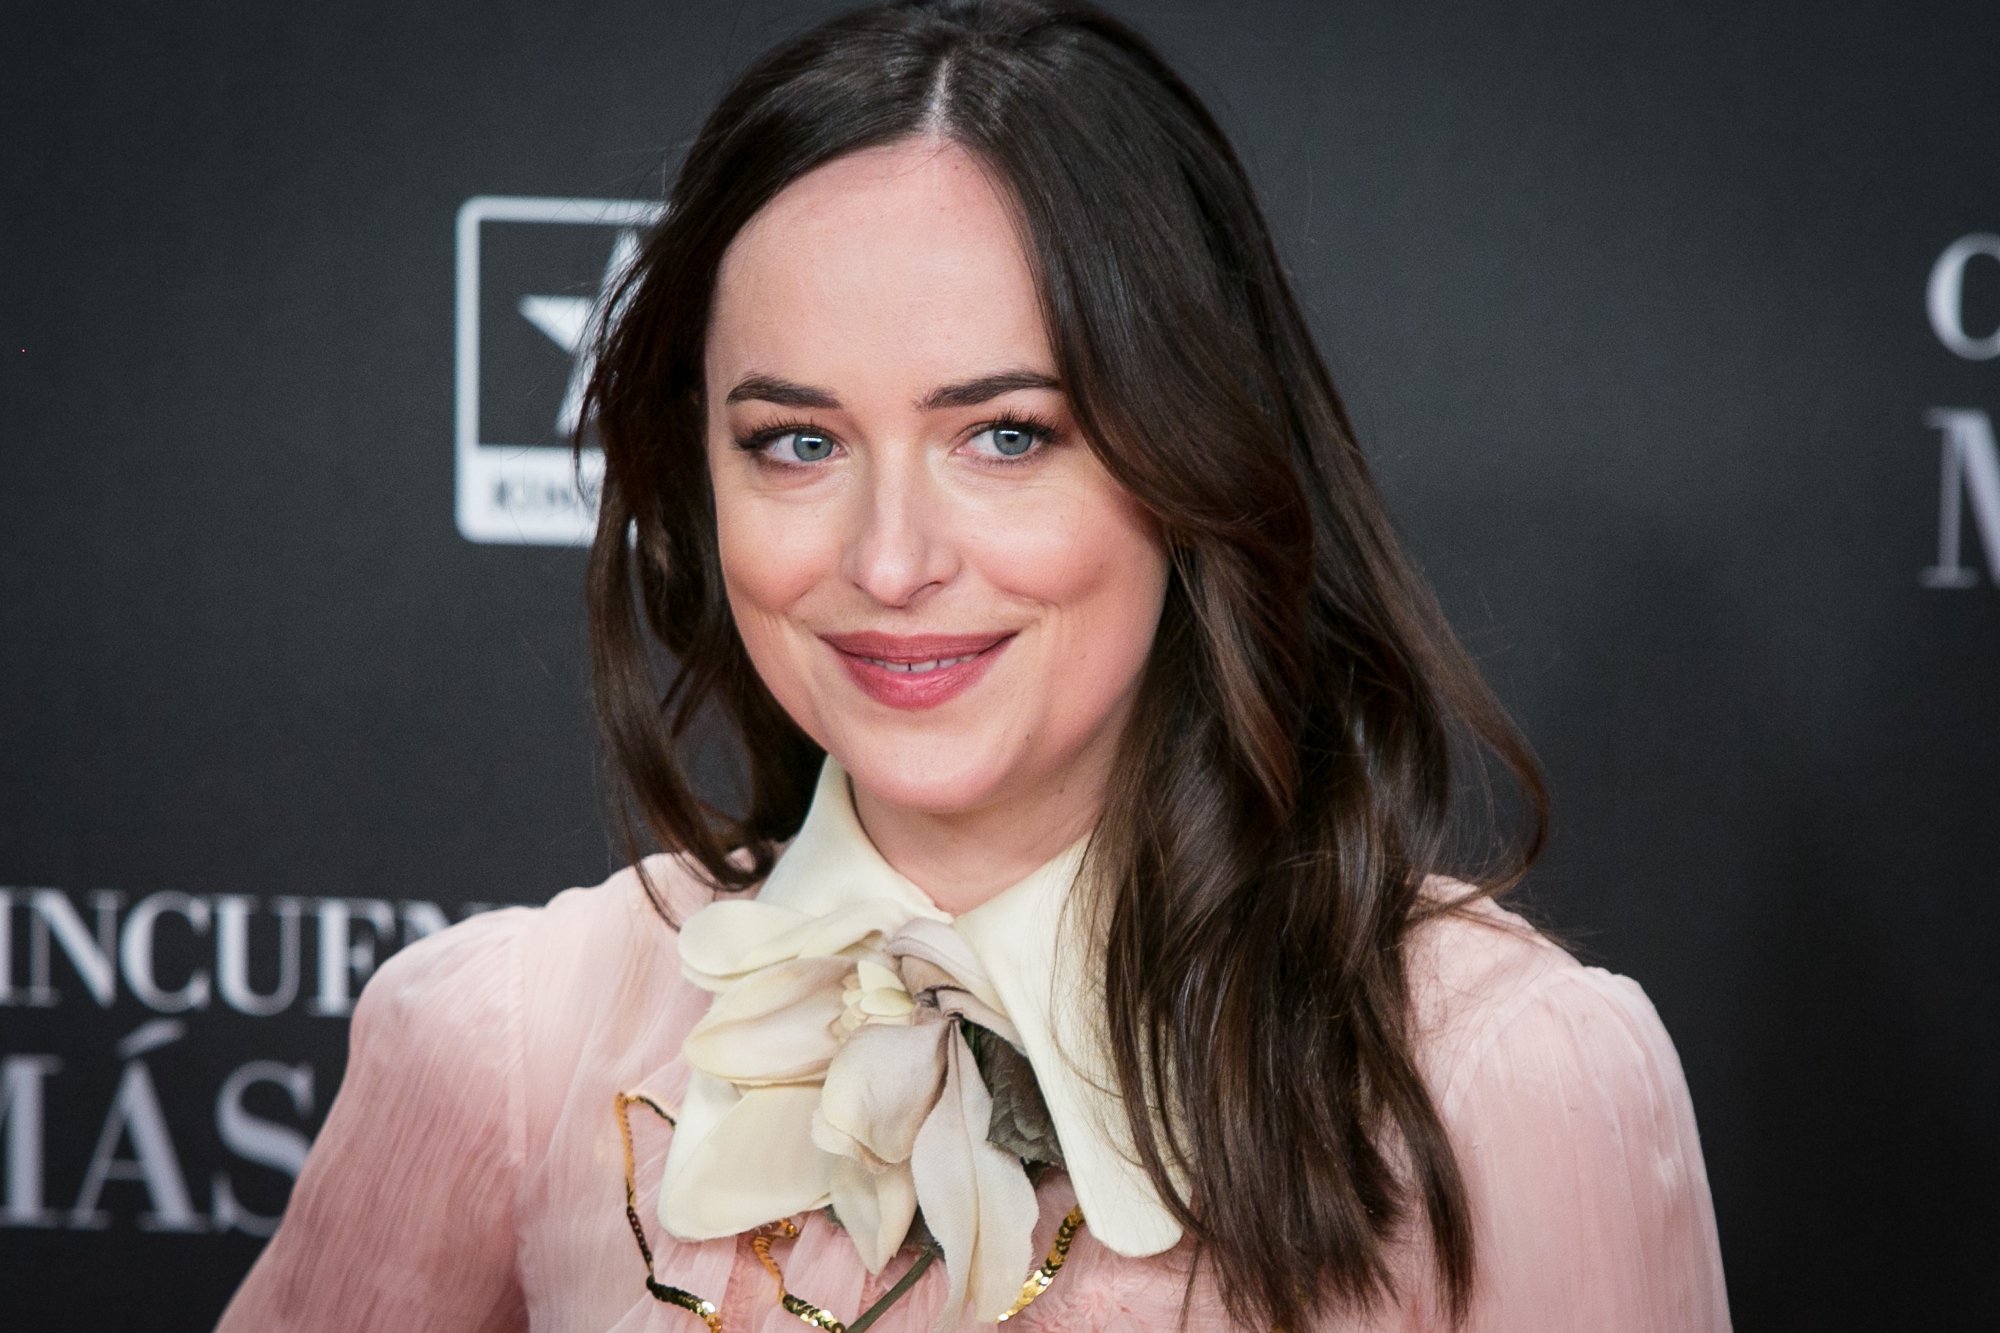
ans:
(804, 446)
(1010, 439)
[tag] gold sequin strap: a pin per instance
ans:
(1038, 1281)
(686, 1300)
(805, 1311)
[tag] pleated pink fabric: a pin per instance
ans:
(470, 1175)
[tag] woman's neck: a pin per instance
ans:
(963, 858)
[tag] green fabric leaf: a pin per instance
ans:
(1020, 1122)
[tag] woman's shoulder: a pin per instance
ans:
(462, 1049)
(636, 909)
(1574, 1128)
(1495, 996)
(525, 976)
(539, 1000)
(634, 914)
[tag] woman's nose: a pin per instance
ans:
(900, 540)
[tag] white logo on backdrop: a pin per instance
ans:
(1969, 469)
(516, 491)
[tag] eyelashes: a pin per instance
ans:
(1041, 432)
(758, 441)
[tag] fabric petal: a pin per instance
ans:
(755, 1164)
(729, 937)
(774, 1026)
(727, 940)
(879, 1089)
(976, 1198)
(935, 957)
(876, 1208)
(704, 1101)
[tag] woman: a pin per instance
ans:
(1097, 946)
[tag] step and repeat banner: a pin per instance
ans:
(1674, 336)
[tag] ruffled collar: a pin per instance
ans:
(1018, 935)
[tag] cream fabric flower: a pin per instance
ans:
(832, 1069)
(814, 1086)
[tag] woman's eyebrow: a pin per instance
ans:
(771, 389)
(971, 393)
(964, 393)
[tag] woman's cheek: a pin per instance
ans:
(1072, 541)
(1037, 542)
(771, 565)
(1099, 571)
(772, 554)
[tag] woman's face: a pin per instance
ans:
(930, 569)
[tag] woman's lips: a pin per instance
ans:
(916, 670)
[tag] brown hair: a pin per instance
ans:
(1295, 766)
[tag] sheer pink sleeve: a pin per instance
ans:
(1577, 1138)
(403, 1217)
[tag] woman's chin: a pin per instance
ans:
(946, 775)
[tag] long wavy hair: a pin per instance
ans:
(1308, 727)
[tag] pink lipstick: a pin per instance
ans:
(916, 670)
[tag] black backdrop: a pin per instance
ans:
(1649, 315)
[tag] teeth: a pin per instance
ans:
(918, 668)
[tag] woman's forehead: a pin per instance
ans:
(906, 256)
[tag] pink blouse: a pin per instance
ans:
(470, 1175)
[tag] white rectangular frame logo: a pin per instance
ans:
(519, 494)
